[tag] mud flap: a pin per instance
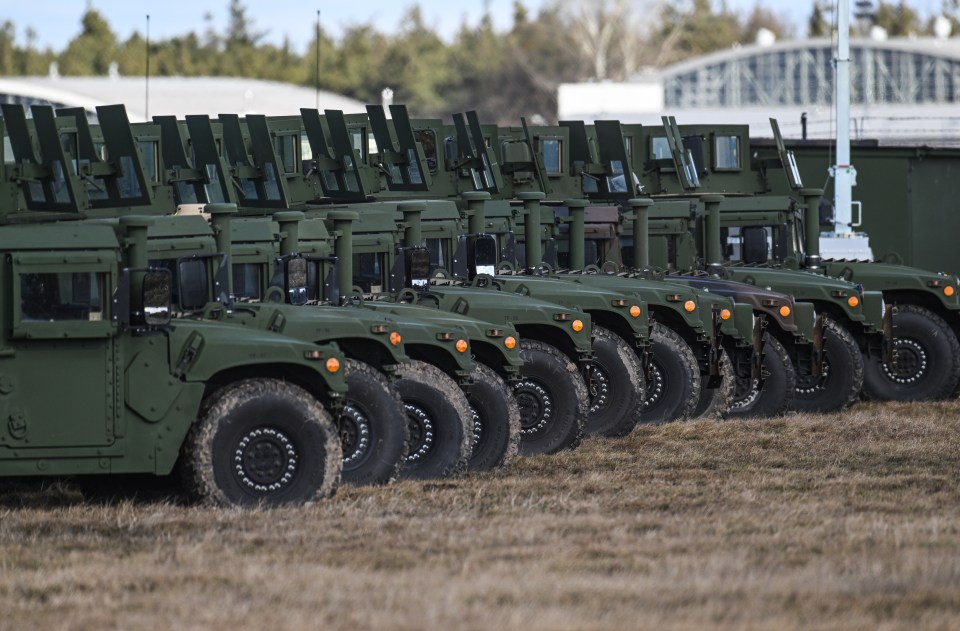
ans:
(887, 344)
(714, 378)
(756, 357)
(816, 358)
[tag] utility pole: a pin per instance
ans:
(843, 172)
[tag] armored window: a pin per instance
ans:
(659, 148)
(7, 151)
(62, 296)
(552, 151)
(726, 152)
(149, 154)
(368, 270)
(428, 140)
(362, 142)
(248, 281)
(286, 146)
(439, 250)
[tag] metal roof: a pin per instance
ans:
(177, 96)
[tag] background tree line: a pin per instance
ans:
(502, 74)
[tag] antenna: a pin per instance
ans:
(318, 60)
(146, 109)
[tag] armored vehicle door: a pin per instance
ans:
(60, 373)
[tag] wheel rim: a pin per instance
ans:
(355, 436)
(599, 390)
(809, 384)
(421, 432)
(910, 362)
(536, 407)
(265, 460)
(478, 434)
(655, 386)
(747, 394)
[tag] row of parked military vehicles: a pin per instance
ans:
(265, 306)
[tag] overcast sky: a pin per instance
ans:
(58, 21)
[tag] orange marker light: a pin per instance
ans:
(395, 338)
(462, 346)
(948, 290)
(725, 314)
(853, 301)
(689, 306)
(785, 311)
(577, 325)
(333, 364)
(510, 342)
(635, 311)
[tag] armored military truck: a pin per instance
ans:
(245, 416)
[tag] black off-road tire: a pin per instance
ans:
(373, 429)
(441, 424)
(617, 389)
(927, 363)
(496, 421)
(553, 400)
(774, 397)
(673, 383)
(717, 402)
(842, 380)
(261, 442)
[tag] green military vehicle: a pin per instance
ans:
(555, 340)
(469, 172)
(98, 380)
(920, 361)
(186, 245)
(436, 349)
(587, 234)
(925, 362)
(471, 162)
(568, 150)
(854, 322)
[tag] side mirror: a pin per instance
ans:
(754, 248)
(484, 255)
(156, 293)
(194, 282)
(295, 280)
(418, 267)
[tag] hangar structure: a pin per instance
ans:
(902, 90)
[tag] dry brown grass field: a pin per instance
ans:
(830, 522)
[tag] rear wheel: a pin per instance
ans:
(261, 441)
(842, 378)
(617, 388)
(553, 400)
(439, 421)
(716, 402)
(496, 421)
(926, 360)
(372, 426)
(673, 383)
(774, 396)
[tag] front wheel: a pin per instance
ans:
(774, 396)
(261, 441)
(496, 421)
(372, 426)
(553, 400)
(439, 419)
(673, 383)
(842, 378)
(617, 388)
(926, 360)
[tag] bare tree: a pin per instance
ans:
(611, 34)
